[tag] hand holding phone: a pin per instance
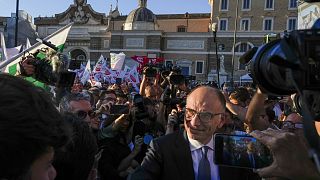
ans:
(119, 109)
(242, 151)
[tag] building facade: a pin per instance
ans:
(242, 24)
(26, 29)
(185, 40)
(181, 39)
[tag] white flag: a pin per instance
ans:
(86, 74)
(4, 55)
(28, 44)
(117, 60)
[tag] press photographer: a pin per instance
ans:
(48, 66)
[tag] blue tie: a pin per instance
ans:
(204, 166)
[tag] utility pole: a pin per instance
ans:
(17, 21)
(234, 44)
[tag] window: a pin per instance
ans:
(223, 24)
(246, 4)
(169, 63)
(106, 43)
(292, 4)
(224, 5)
(242, 48)
(81, 58)
(182, 29)
(269, 4)
(292, 24)
(199, 67)
(268, 24)
(245, 24)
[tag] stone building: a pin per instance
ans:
(26, 29)
(185, 40)
(181, 39)
(249, 21)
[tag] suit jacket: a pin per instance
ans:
(245, 160)
(169, 158)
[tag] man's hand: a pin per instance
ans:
(290, 156)
(26, 67)
(138, 141)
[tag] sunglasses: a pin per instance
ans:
(83, 114)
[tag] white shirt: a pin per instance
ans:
(196, 148)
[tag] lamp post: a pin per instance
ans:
(234, 43)
(17, 21)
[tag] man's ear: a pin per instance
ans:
(221, 121)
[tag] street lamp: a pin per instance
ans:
(17, 21)
(234, 43)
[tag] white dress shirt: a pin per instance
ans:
(196, 153)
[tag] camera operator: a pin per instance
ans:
(149, 86)
(144, 114)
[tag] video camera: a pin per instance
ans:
(51, 67)
(287, 65)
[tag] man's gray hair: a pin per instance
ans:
(64, 105)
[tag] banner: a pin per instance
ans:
(117, 60)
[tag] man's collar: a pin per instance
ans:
(194, 144)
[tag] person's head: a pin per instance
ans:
(107, 96)
(250, 147)
(240, 96)
(79, 104)
(121, 99)
(151, 93)
(75, 161)
(31, 129)
(205, 109)
(293, 123)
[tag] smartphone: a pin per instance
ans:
(118, 81)
(75, 64)
(119, 109)
(66, 79)
(242, 151)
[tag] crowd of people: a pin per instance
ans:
(164, 131)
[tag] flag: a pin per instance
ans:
(134, 75)
(58, 38)
(86, 74)
(100, 65)
(117, 60)
(28, 45)
(4, 55)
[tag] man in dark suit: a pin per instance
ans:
(250, 158)
(188, 155)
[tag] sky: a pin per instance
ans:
(51, 7)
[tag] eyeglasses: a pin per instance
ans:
(83, 114)
(204, 117)
(109, 99)
(291, 125)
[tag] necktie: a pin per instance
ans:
(253, 164)
(204, 166)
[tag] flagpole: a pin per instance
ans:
(17, 20)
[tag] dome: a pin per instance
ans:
(141, 14)
(141, 18)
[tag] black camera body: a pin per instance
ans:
(140, 110)
(278, 65)
(150, 71)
